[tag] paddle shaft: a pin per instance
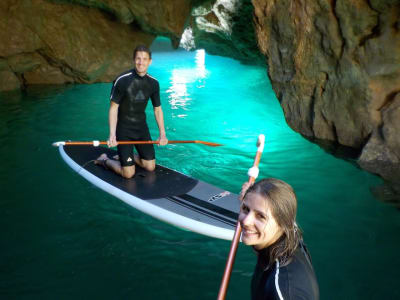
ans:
(96, 143)
(235, 241)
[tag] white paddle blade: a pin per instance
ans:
(57, 144)
(260, 143)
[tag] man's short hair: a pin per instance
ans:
(141, 48)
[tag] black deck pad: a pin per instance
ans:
(169, 190)
(161, 183)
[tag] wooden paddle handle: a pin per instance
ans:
(97, 143)
(253, 173)
(229, 263)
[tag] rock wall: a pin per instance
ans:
(166, 17)
(83, 41)
(335, 68)
(225, 27)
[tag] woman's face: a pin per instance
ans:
(259, 226)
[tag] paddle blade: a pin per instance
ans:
(261, 140)
(56, 144)
(208, 143)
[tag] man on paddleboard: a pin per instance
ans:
(127, 118)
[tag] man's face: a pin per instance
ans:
(142, 62)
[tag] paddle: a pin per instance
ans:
(97, 143)
(253, 173)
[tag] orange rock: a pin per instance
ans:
(55, 42)
(9, 81)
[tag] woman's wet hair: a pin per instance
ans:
(141, 48)
(281, 200)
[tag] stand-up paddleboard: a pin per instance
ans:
(164, 194)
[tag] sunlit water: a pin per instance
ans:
(62, 238)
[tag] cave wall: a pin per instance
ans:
(226, 28)
(335, 68)
(80, 41)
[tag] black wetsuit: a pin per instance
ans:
(294, 281)
(132, 93)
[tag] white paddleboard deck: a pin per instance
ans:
(165, 194)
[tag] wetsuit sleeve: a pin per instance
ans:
(116, 93)
(155, 97)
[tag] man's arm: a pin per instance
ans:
(158, 113)
(112, 122)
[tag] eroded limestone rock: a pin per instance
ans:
(166, 17)
(225, 27)
(81, 41)
(335, 68)
(9, 80)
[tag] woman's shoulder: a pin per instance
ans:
(296, 279)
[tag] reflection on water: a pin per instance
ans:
(201, 67)
(178, 95)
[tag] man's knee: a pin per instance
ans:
(128, 172)
(151, 168)
(149, 165)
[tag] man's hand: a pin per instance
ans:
(112, 141)
(162, 140)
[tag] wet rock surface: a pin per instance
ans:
(335, 68)
(57, 42)
(226, 28)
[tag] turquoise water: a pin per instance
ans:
(62, 238)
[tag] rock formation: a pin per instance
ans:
(335, 68)
(80, 41)
(225, 27)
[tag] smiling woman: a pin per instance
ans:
(268, 219)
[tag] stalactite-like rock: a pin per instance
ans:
(225, 27)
